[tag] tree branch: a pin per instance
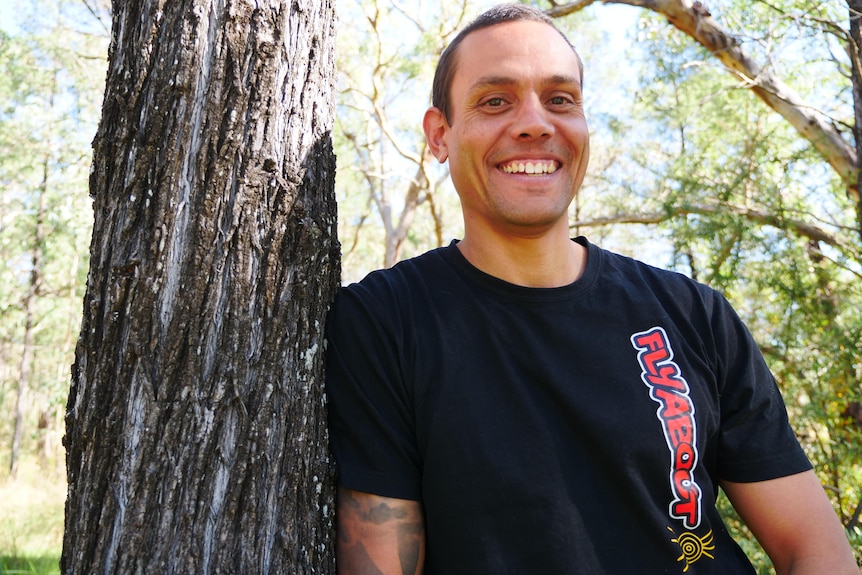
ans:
(693, 19)
(800, 227)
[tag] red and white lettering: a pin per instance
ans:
(675, 411)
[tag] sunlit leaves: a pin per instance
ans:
(748, 206)
(52, 62)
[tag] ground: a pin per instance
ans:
(31, 519)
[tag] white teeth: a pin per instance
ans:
(530, 168)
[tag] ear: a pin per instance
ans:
(436, 127)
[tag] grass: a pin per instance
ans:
(31, 520)
(29, 565)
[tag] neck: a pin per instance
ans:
(543, 262)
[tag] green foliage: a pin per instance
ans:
(50, 88)
(742, 203)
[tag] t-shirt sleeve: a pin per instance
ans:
(370, 410)
(756, 442)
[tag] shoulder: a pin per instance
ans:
(393, 295)
(406, 273)
(636, 276)
(402, 279)
(650, 296)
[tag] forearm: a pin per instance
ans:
(821, 565)
(834, 557)
(794, 521)
(379, 535)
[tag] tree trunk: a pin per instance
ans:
(395, 236)
(31, 298)
(854, 49)
(195, 430)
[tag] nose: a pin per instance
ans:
(532, 120)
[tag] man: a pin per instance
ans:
(520, 402)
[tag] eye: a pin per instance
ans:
(495, 102)
(560, 101)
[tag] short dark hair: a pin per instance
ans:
(501, 14)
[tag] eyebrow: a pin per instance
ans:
(492, 81)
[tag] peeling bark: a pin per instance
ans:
(196, 438)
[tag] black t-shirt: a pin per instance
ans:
(580, 429)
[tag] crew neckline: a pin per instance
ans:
(486, 281)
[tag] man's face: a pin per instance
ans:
(517, 139)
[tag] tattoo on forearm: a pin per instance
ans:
(381, 513)
(354, 559)
(410, 537)
(360, 516)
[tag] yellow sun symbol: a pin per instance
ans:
(693, 547)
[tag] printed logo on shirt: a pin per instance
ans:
(675, 411)
(693, 547)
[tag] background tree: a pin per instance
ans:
(391, 196)
(695, 19)
(46, 70)
(195, 432)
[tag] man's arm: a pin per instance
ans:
(378, 535)
(794, 522)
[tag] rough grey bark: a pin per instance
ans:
(196, 438)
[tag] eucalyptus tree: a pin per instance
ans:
(392, 202)
(695, 19)
(195, 431)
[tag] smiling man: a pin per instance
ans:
(521, 402)
(512, 126)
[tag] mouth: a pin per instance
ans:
(530, 167)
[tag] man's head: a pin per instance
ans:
(446, 66)
(516, 137)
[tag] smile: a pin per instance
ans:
(537, 167)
